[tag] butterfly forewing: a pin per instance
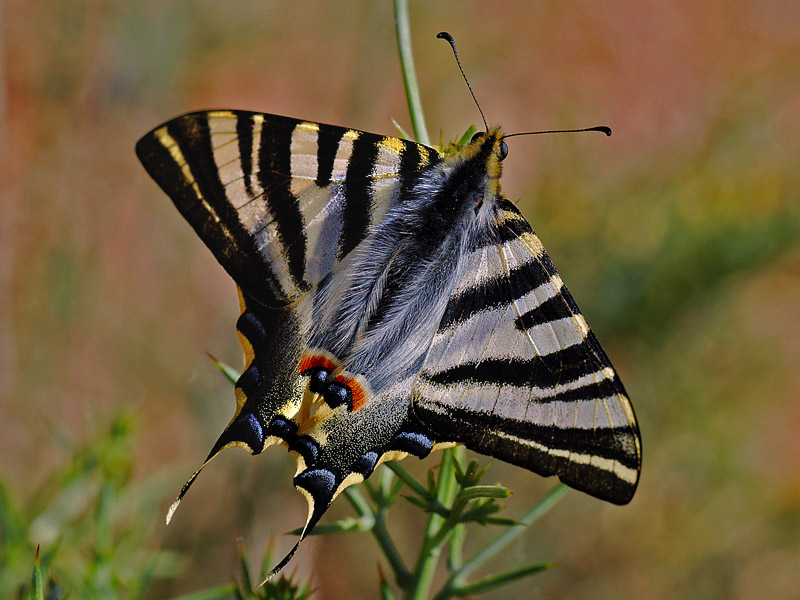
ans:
(515, 372)
(277, 200)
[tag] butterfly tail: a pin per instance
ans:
(319, 486)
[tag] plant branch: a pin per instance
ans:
(533, 514)
(403, 28)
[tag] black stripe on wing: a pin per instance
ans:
(410, 163)
(199, 194)
(548, 371)
(600, 462)
(525, 374)
(245, 125)
(327, 145)
(613, 443)
(494, 292)
(357, 196)
(275, 177)
(549, 310)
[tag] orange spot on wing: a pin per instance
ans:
(359, 397)
(358, 394)
(315, 360)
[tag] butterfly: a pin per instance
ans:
(392, 301)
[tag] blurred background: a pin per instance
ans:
(678, 236)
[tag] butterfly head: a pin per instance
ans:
(478, 164)
(495, 136)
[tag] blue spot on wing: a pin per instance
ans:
(305, 447)
(412, 442)
(251, 327)
(320, 483)
(366, 464)
(256, 428)
(282, 427)
(246, 429)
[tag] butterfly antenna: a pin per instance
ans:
(601, 128)
(446, 36)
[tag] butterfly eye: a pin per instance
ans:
(477, 135)
(503, 150)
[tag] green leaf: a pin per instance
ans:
(283, 588)
(230, 373)
(484, 491)
(403, 133)
(423, 504)
(365, 523)
(37, 589)
(496, 581)
(500, 521)
(454, 146)
(242, 549)
(385, 588)
(464, 140)
(481, 513)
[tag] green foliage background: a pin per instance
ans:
(678, 236)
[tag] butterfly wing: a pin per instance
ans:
(278, 201)
(282, 203)
(514, 371)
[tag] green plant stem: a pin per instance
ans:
(433, 540)
(454, 557)
(378, 529)
(403, 28)
(407, 478)
(358, 502)
(457, 579)
(401, 573)
(386, 591)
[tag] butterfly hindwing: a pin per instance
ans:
(515, 372)
(283, 204)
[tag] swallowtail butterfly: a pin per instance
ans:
(392, 301)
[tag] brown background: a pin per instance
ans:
(678, 236)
